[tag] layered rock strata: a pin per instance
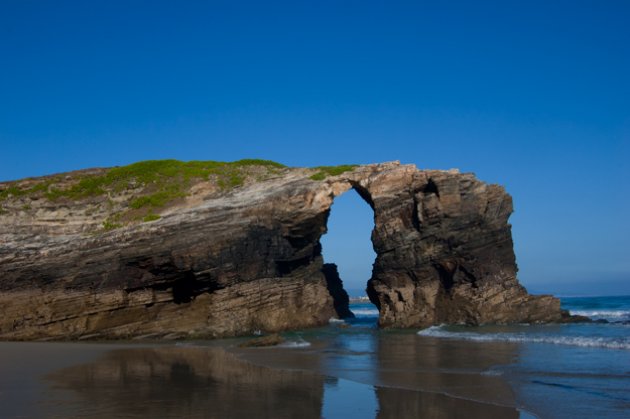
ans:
(445, 252)
(224, 262)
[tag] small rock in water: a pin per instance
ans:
(269, 340)
(573, 318)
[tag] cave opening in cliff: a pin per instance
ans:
(348, 245)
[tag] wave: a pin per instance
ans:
(492, 373)
(612, 315)
(359, 300)
(333, 320)
(365, 312)
(583, 341)
(295, 344)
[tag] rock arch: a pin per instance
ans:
(444, 251)
(250, 259)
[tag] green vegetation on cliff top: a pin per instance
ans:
(325, 171)
(148, 185)
(169, 177)
(139, 188)
(151, 217)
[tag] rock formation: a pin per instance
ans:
(341, 299)
(445, 253)
(230, 250)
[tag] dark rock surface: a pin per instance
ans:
(444, 252)
(225, 263)
(341, 300)
(262, 341)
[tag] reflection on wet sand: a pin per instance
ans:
(441, 367)
(369, 374)
(396, 403)
(413, 376)
(183, 382)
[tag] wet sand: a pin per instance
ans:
(338, 376)
(410, 376)
(24, 390)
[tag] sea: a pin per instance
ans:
(347, 369)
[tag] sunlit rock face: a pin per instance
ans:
(224, 262)
(444, 252)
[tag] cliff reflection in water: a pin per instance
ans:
(438, 369)
(402, 374)
(183, 382)
(352, 373)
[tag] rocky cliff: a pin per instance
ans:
(172, 249)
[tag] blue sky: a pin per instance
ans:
(534, 95)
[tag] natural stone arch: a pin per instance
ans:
(227, 263)
(444, 251)
(332, 264)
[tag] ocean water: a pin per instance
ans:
(347, 369)
(572, 370)
(614, 309)
(548, 371)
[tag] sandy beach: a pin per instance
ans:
(216, 379)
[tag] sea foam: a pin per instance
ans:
(365, 312)
(583, 341)
(295, 344)
(610, 315)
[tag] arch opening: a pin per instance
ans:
(347, 249)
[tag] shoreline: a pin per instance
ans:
(63, 374)
(380, 373)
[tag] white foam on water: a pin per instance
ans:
(492, 373)
(295, 344)
(333, 320)
(612, 315)
(583, 341)
(365, 312)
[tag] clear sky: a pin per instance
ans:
(534, 95)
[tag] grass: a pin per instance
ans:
(162, 173)
(324, 171)
(158, 199)
(144, 186)
(12, 191)
(110, 225)
(147, 186)
(151, 217)
(169, 177)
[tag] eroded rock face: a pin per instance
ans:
(341, 299)
(231, 263)
(444, 252)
